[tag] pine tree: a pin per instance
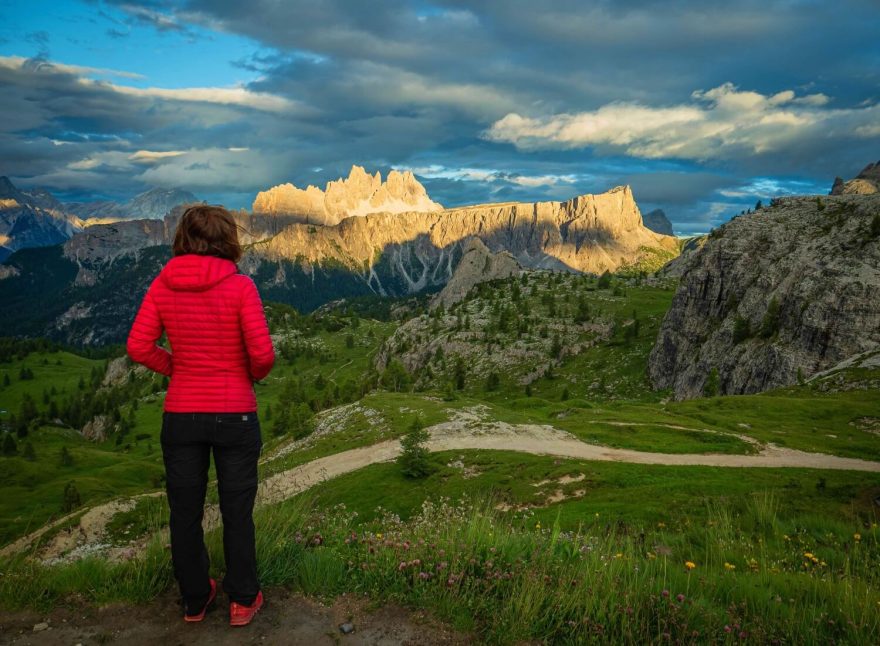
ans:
(413, 460)
(71, 499)
(459, 373)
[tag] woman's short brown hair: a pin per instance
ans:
(207, 231)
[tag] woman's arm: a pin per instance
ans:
(255, 330)
(145, 331)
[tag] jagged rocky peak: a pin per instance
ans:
(359, 194)
(865, 183)
(774, 297)
(657, 222)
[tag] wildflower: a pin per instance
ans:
(651, 555)
(619, 555)
(858, 537)
(665, 593)
(661, 524)
(690, 565)
(729, 566)
(537, 525)
(680, 598)
(379, 536)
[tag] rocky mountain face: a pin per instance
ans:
(152, 204)
(774, 297)
(106, 266)
(359, 194)
(589, 233)
(865, 183)
(31, 219)
(477, 265)
(657, 222)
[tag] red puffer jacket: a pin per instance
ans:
(219, 338)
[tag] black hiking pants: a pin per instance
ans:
(188, 439)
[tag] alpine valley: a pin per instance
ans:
(543, 422)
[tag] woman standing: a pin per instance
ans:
(220, 343)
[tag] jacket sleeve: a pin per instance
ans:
(145, 331)
(255, 331)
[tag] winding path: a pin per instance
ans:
(461, 433)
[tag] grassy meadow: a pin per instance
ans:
(510, 546)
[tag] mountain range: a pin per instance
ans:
(412, 245)
(35, 218)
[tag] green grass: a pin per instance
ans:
(47, 373)
(510, 580)
(618, 492)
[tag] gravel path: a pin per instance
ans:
(469, 429)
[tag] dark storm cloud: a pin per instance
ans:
(389, 84)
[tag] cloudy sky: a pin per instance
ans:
(702, 106)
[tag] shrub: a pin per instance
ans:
(712, 385)
(874, 229)
(741, 329)
(770, 322)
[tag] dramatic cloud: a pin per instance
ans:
(487, 100)
(721, 123)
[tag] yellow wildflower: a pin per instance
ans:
(858, 537)
(690, 565)
(729, 566)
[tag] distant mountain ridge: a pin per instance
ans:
(154, 203)
(31, 219)
(657, 222)
(106, 267)
(35, 218)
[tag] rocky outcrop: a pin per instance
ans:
(774, 297)
(477, 265)
(359, 194)
(690, 248)
(865, 183)
(657, 222)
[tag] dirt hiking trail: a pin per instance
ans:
(468, 429)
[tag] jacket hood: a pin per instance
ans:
(195, 273)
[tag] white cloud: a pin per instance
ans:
(231, 96)
(151, 156)
(723, 122)
(238, 96)
(38, 64)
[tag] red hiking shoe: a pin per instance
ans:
(241, 615)
(201, 615)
